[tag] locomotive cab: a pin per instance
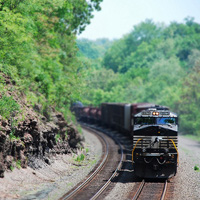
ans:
(155, 139)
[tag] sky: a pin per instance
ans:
(118, 17)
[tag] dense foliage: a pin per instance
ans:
(93, 49)
(38, 49)
(153, 63)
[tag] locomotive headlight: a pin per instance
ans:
(155, 113)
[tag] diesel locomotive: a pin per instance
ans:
(154, 130)
(155, 142)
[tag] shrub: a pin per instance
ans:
(196, 168)
(18, 164)
(57, 137)
(11, 168)
(80, 158)
(8, 107)
(13, 137)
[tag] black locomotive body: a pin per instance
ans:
(154, 130)
(155, 140)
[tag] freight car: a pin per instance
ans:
(154, 130)
(119, 115)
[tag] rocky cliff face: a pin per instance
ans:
(33, 140)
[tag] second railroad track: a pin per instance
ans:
(150, 190)
(97, 182)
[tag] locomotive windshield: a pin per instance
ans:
(165, 120)
(154, 120)
(144, 120)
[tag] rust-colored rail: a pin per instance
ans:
(148, 190)
(86, 184)
(164, 191)
(113, 175)
(137, 194)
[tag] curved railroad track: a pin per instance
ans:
(151, 190)
(97, 182)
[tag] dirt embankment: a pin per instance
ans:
(29, 138)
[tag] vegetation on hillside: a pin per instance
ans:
(40, 69)
(39, 51)
(153, 63)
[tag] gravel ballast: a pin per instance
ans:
(187, 180)
(55, 180)
(52, 181)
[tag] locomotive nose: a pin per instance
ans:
(155, 167)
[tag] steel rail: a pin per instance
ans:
(137, 194)
(164, 191)
(113, 175)
(93, 174)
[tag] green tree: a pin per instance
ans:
(153, 63)
(38, 47)
(189, 104)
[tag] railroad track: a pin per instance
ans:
(98, 181)
(151, 190)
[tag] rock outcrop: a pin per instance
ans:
(32, 141)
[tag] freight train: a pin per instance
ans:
(154, 130)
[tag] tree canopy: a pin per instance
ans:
(153, 63)
(38, 47)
